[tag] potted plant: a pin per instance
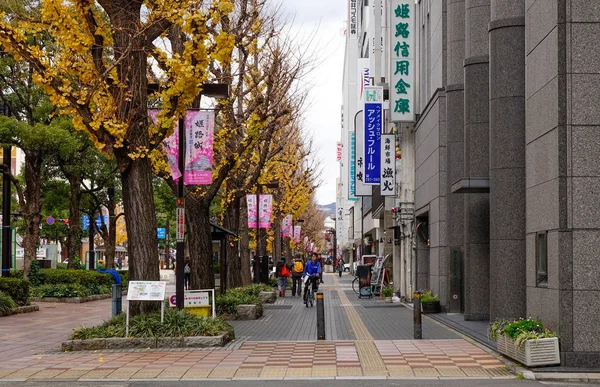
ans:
(526, 340)
(430, 303)
(387, 292)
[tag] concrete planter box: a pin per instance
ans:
(532, 353)
(21, 309)
(248, 312)
(133, 342)
(268, 297)
(431, 307)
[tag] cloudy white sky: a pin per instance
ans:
(325, 21)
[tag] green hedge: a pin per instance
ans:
(15, 288)
(82, 277)
(177, 324)
(61, 290)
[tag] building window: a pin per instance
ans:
(541, 257)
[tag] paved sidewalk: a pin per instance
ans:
(366, 339)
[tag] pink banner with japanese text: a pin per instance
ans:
(297, 230)
(199, 127)
(251, 204)
(265, 210)
(171, 145)
(286, 226)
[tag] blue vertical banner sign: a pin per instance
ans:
(402, 60)
(99, 221)
(85, 222)
(373, 123)
(161, 233)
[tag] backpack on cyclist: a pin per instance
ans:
(298, 267)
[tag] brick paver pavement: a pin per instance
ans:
(32, 341)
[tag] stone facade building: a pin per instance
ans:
(507, 178)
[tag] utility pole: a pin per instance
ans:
(6, 212)
(92, 252)
(179, 259)
(167, 246)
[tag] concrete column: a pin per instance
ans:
(455, 129)
(476, 135)
(407, 199)
(507, 159)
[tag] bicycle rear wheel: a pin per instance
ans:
(312, 299)
(356, 285)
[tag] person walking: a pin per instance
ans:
(282, 272)
(340, 266)
(297, 270)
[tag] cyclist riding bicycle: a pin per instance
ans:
(313, 270)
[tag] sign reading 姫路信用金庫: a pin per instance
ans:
(373, 128)
(402, 54)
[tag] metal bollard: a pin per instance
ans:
(418, 334)
(320, 316)
(117, 297)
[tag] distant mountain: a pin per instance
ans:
(327, 209)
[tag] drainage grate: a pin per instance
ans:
(381, 306)
(278, 306)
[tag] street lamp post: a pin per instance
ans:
(4, 110)
(257, 250)
(218, 90)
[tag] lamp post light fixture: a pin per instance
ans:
(215, 90)
(273, 184)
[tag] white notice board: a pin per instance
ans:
(146, 290)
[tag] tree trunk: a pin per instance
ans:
(244, 242)
(234, 262)
(74, 233)
(138, 205)
(199, 241)
(33, 208)
(277, 237)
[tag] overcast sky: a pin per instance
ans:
(325, 20)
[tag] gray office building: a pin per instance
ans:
(507, 170)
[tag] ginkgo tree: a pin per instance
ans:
(97, 68)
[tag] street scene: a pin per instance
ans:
(264, 192)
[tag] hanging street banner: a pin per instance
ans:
(170, 144)
(388, 165)
(297, 230)
(402, 61)
(265, 210)
(286, 226)
(373, 123)
(352, 166)
(251, 204)
(199, 127)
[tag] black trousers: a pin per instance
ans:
(296, 280)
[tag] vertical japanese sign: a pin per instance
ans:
(338, 154)
(297, 230)
(252, 210)
(402, 66)
(171, 145)
(339, 220)
(373, 127)
(352, 166)
(286, 225)
(199, 126)
(352, 32)
(265, 210)
(364, 78)
(388, 165)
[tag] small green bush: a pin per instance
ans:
(252, 290)
(428, 296)
(387, 291)
(77, 265)
(61, 266)
(6, 303)
(82, 277)
(34, 273)
(227, 303)
(176, 324)
(60, 290)
(16, 288)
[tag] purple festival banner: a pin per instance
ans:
(265, 210)
(251, 204)
(199, 126)
(297, 230)
(170, 144)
